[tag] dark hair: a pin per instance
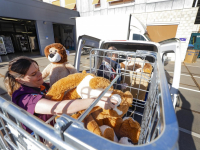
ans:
(17, 68)
(109, 54)
(112, 48)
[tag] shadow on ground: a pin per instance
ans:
(184, 116)
(185, 141)
(8, 57)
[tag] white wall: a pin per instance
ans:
(86, 8)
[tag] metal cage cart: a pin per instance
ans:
(2, 47)
(152, 107)
(33, 43)
(8, 44)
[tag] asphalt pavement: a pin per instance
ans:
(188, 105)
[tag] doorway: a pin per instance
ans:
(64, 34)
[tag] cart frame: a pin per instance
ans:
(69, 133)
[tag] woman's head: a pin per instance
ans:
(112, 48)
(112, 55)
(22, 70)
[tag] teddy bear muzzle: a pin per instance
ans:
(54, 57)
(119, 100)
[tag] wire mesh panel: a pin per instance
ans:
(151, 121)
(13, 135)
(139, 75)
(136, 70)
(2, 47)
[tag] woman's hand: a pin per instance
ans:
(107, 103)
(124, 86)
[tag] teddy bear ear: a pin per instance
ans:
(134, 124)
(129, 98)
(84, 71)
(46, 51)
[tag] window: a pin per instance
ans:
(138, 37)
(96, 3)
(119, 2)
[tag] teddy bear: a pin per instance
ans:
(139, 71)
(86, 85)
(59, 67)
(137, 64)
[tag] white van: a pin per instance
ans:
(112, 27)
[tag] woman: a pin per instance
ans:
(110, 67)
(25, 85)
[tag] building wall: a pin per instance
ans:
(44, 34)
(180, 12)
(184, 17)
(86, 8)
(41, 12)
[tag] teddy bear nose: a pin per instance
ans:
(51, 55)
(130, 141)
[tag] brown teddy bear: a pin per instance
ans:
(59, 67)
(139, 71)
(86, 85)
(136, 64)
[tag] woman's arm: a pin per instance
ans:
(45, 106)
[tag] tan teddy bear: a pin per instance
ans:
(139, 71)
(137, 64)
(59, 67)
(86, 85)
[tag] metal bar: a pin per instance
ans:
(45, 131)
(10, 142)
(3, 125)
(3, 143)
(196, 3)
(40, 145)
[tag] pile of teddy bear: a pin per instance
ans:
(107, 123)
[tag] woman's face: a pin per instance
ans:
(114, 56)
(33, 77)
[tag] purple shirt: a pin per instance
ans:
(27, 97)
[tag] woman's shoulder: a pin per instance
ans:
(20, 90)
(26, 95)
(23, 90)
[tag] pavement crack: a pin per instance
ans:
(192, 77)
(188, 109)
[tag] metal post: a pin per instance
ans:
(62, 3)
(196, 3)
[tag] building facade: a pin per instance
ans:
(178, 15)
